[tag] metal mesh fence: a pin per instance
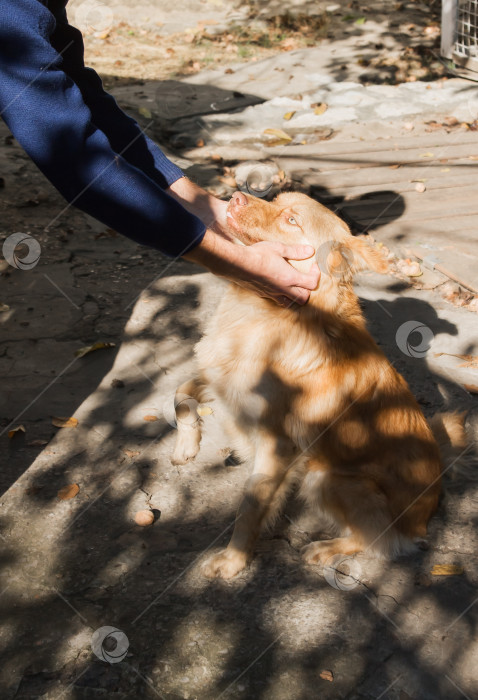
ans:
(466, 41)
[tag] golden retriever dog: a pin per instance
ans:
(315, 398)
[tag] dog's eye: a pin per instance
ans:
(292, 221)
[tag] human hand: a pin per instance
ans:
(268, 273)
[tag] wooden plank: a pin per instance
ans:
(382, 174)
(365, 221)
(416, 205)
(371, 179)
(442, 244)
(436, 139)
(464, 229)
(445, 185)
(439, 225)
(417, 158)
(449, 12)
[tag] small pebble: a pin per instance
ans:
(144, 518)
(420, 187)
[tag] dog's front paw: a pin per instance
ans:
(224, 565)
(317, 552)
(187, 446)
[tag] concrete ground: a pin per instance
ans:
(73, 568)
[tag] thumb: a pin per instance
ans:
(297, 252)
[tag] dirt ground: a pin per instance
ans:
(121, 45)
(92, 605)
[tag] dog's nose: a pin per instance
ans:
(239, 199)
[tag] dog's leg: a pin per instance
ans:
(188, 422)
(263, 491)
(319, 552)
(356, 505)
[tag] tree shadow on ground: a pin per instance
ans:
(410, 31)
(271, 632)
(268, 634)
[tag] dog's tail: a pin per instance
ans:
(450, 433)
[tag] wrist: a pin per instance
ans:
(219, 255)
(210, 209)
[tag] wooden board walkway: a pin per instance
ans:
(373, 182)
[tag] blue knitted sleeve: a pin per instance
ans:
(96, 156)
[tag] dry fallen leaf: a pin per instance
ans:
(288, 115)
(91, 348)
(14, 431)
(450, 121)
(145, 112)
(281, 136)
(33, 490)
(469, 360)
(131, 453)
(409, 268)
(447, 570)
(327, 675)
(4, 307)
(428, 154)
(150, 419)
(59, 422)
(321, 108)
(204, 410)
(68, 492)
(37, 443)
(229, 181)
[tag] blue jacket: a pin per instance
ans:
(92, 152)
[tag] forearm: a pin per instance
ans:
(46, 112)
(219, 255)
(123, 132)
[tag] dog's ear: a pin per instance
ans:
(343, 259)
(362, 256)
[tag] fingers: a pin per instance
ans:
(298, 295)
(308, 280)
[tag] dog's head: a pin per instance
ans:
(295, 218)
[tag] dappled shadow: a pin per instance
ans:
(268, 634)
(403, 42)
(72, 567)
